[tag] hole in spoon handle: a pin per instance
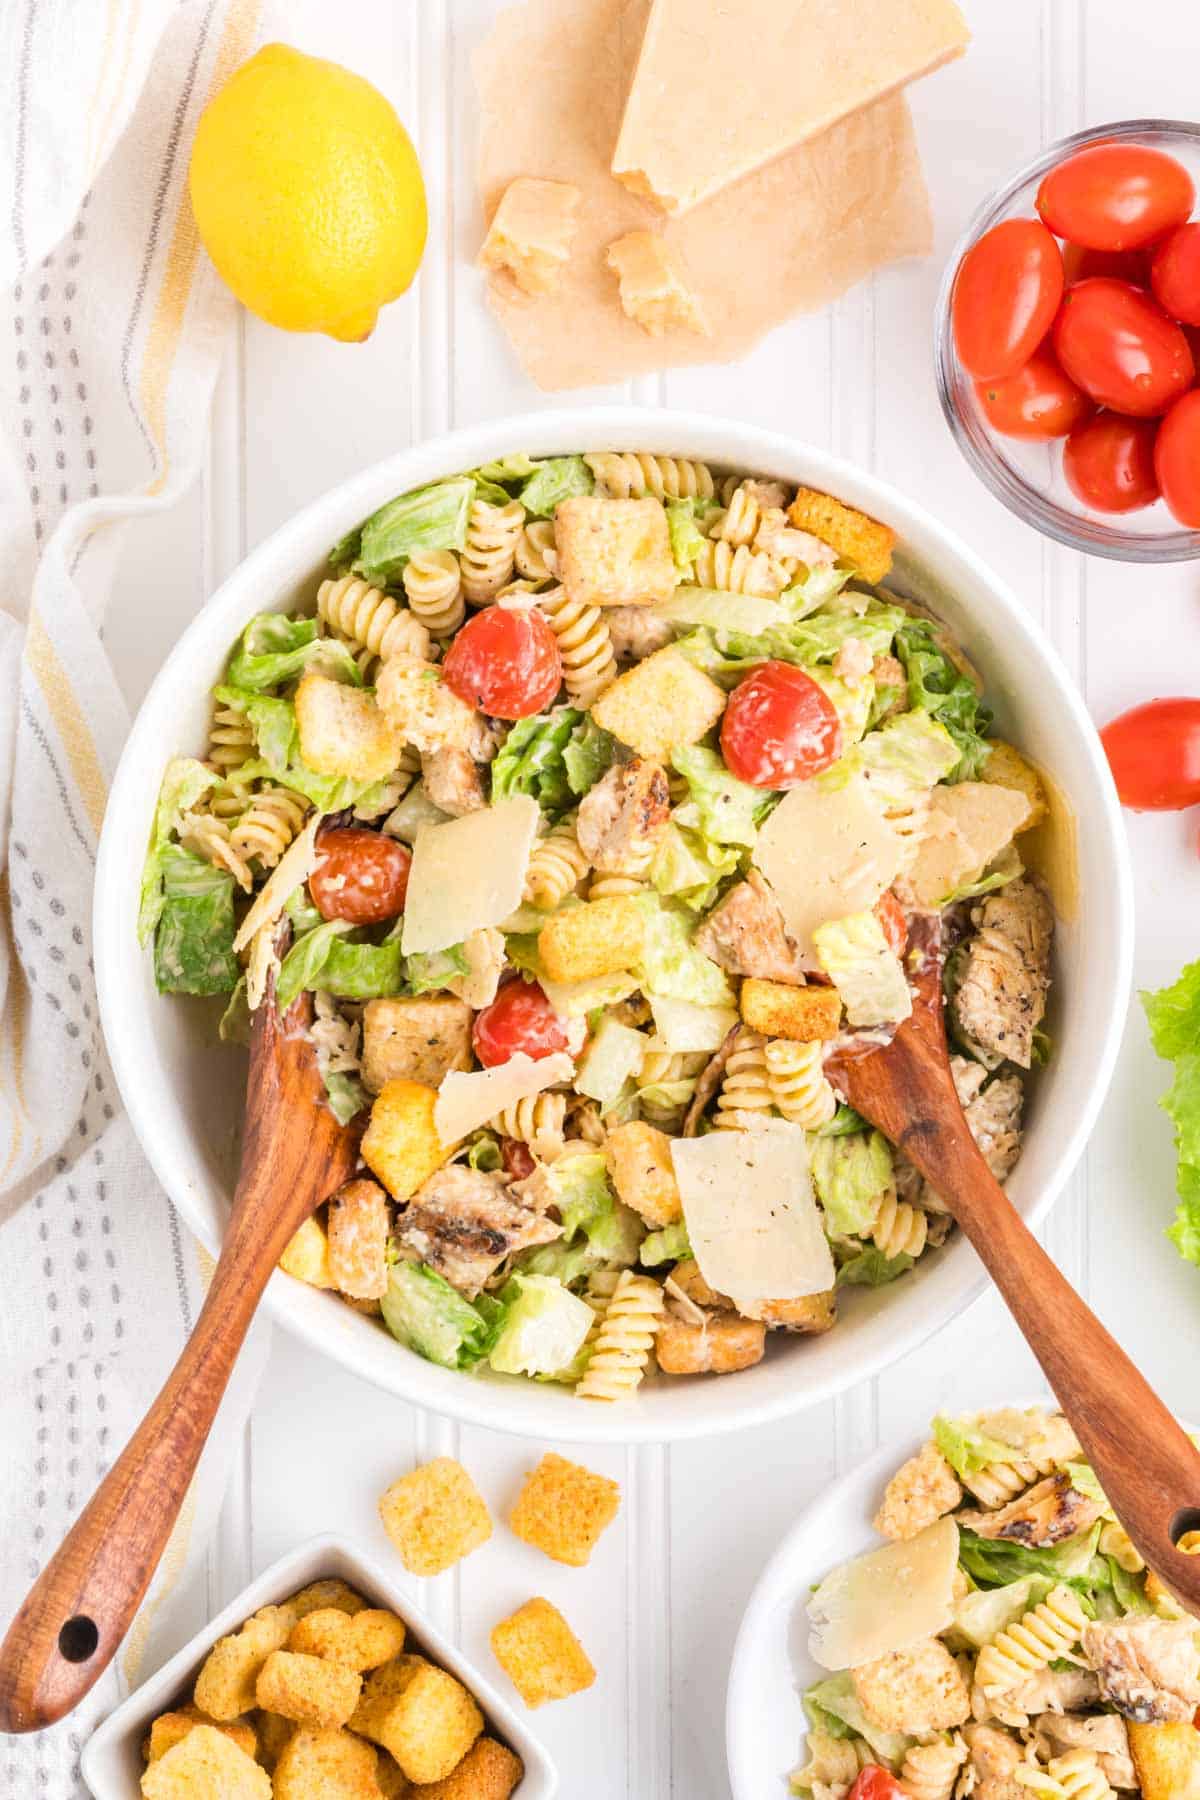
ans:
(79, 1639)
(1185, 1530)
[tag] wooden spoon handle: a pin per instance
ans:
(1146, 1463)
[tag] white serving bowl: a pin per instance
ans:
(112, 1762)
(184, 1090)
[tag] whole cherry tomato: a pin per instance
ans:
(1177, 459)
(519, 1018)
(1080, 264)
(1039, 401)
(1119, 346)
(890, 914)
(1175, 274)
(779, 728)
(1115, 196)
(1006, 294)
(505, 661)
(874, 1783)
(1154, 753)
(1108, 462)
(360, 875)
(517, 1158)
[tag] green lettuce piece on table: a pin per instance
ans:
(1173, 1014)
(851, 1175)
(530, 760)
(193, 939)
(275, 649)
(425, 1313)
(431, 518)
(554, 481)
(184, 781)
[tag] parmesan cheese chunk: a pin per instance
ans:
(468, 873)
(654, 290)
(752, 1220)
(826, 853)
(886, 1600)
(531, 234)
(294, 866)
(465, 1102)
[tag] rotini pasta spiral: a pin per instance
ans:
(1040, 1637)
(536, 1121)
(230, 799)
(736, 569)
(489, 556)
(999, 1482)
(230, 739)
(268, 825)
(1116, 1542)
(209, 837)
(1079, 1775)
(930, 1771)
(899, 1230)
(739, 522)
(631, 474)
(833, 1764)
(677, 1070)
(796, 1078)
(433, 588)
(745, 1097)
(608, 886)
(537, 555)
(556, 865)
(391, 792)
(623, 1343)
(589, 665)
(371, 622)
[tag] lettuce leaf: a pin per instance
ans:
(272, 721)
(986, 1612)
(719, 806)
(589, 1209)
(1173, 1014)
(542, 1329)
(671, 964)
(430, 518)
(871, 1268)
(305, 961)
(936, 686)
(590, 753)
(275, 649)
(425, 971)
(1007, 867)
(193, 939)
(363, 971)
(184, 781)
(507, 471)
(425, 1313)
(968, 1449)
(530, 761)
(997, 1562)
(690, 867)
(671, 1244)
(844, 1121)
(613, 1056)
(905, 756)
(345, 1094)
(835, 1698)
(553, 481)
(851, 1175)
(687, 539)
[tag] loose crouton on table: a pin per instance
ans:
(601, 937)
(661, 704)
(421, 1038)
(614, 552)
(563, 1508)
(421, 1716)
(401, 1145)
(540, 1654)
(803, 1014)
(435, 1516)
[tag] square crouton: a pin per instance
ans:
(273, 1733)
(435, 1515)
(206, 1762)
(809, 1315)
(392, 1782)
(422, 709)
(227, 1682)
(655, 292)
(639, 1159)
(343, 731)
(419, 1039)
(308, 1689)
(1167, 1760)
(489, 1771)
(307, 1255)
(1006, 767)
(171, 1728)
(803, 1014)
(363, 1640)
(358, 1233)
(662, 704)
(401, 1144)
(614, 552)
(332, 1591)
(531, 233)
(857, 539)
(326, 1765)
(421, 1716)
(601, 937)
(540, 1654)
(563, 1508)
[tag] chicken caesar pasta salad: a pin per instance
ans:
(586, 812)
(1008, 1643)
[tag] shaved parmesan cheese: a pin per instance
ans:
(465, 1102)
(751, 1216)
(260, 963)
(884, 1601)
(685, 1025)
(295, 865)
(826, 853)
(468, 873)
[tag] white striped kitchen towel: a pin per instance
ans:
(108, 354)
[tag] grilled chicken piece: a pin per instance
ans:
(1056, 1691)
(452, 780)
(463, 1223)
(485, 955)
(623, 815)
(1002, 994)
(1105, 1734)
(1149, 1668)
(746, 935)
(889, 672)
(636, 631)
(1047, 1514)
(923, 1490)
(993, 1114)
(994, 1757)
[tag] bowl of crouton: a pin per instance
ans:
(882, 1292)
(321, 1679)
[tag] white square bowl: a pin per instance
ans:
(112, 1762)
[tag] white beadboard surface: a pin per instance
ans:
(659, 1605)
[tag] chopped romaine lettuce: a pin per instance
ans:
(614, 1055)
(234, 1027)
(345, 1093)
(721, 610)
(844, 1121)
(306, 959)
(936, 686)
(508, 471)
(681, 1025)
(427, 970)
(1174, 1017)
(983, 1614)
(542, 1329)
(431, 518)
(1084, 1481)
(585, 1201)
(835, 1698)
(184, 781)
(994, 1562)
(822, 583)
(424, 1312)
(272, 721)
(485, 1154)
(671, 963)
(416, 809)
(905, 756)
(866, 971)
(687, 539)
(343, 553)
(530, 761)
(300, 910)
(690, 867)
(1007, 867)
(567, 1263)
(668, 1245)
(851, 1175)
(719, 806)
(589, 754)
(852, 701)
(968, 1449)
(193, 939)
(274, 649)
(364, 971)
(554, 481)
(871, 1268)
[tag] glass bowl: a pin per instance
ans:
(1027, 475)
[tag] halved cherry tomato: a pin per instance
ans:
(1154, 753)
(874, 1783)
(779, 728)
(517, 1158)
(1119, 346)
(1177, 459)
(1039, 401)
(1080, 264)
(519, 1018)
(505, 661)
(1175, 274)
(1108, 462)
(890, 914)
(360, 875)
(1115, 196)
(1006, 294)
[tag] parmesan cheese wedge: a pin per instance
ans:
(465, 1102)
(720, 91)
(468, 873)
(752, 1219)
(886, 1600)
(294, 866)
(826, 853)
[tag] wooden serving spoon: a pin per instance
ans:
(294, 1155)
(1146, 1463)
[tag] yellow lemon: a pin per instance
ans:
(308, 193)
